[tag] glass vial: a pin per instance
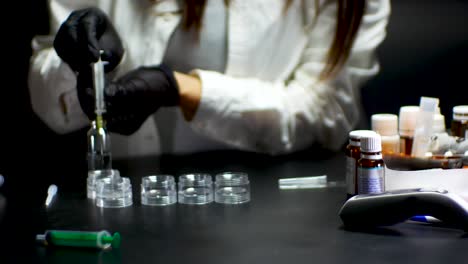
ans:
(386, 125)
(371, 167)
(99, 148)
(407, 123)
(353, 154)
(459, 125)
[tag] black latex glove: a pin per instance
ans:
(83, 34)
(132, 98)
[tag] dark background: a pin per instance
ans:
(28, 147)
(425, 54)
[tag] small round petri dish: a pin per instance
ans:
(95, 175)
(195, 188)
(114, 192)
(232, 188)
(158, 190)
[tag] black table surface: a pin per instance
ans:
(276, 226)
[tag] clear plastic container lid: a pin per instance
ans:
(232, 188)
(114, 192)
(95, 175)
(195, 189)
(159, 190)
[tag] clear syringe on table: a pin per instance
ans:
(99, 145)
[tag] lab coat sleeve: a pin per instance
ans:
(51, 82)
(283, 117)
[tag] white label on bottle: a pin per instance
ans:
(350, 175)
(371, 180)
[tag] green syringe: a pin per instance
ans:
(98, 79)
(101, 239)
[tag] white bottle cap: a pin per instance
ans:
(460, 112)
(408, 116)
(356, 135)
(439, 124)
(371, 143)
(385, 124)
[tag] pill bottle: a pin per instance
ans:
(353, 154)
(407, 123)
(459, 125)
(371, 166)
(386, 125)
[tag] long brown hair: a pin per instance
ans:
(349, 17)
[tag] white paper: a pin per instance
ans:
(452, 180)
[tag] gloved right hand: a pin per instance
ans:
(132, 98)
(83, 34)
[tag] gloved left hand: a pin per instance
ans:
(131, 98)
(83, 34)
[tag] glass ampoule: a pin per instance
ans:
(99, 147)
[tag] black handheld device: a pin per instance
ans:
(391, 207)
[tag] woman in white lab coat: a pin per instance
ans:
(259, 75)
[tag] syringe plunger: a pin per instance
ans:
(98, 78)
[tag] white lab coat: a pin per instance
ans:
(268, 100)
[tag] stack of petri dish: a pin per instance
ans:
(94, 176)
(158, 190)
(195, 188)
(232, 188)
(108, 189)
(114, 192)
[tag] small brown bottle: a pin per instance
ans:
(371, 167)
(353, 154)
(459, 125)
(407, 123)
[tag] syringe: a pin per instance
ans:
(99, 148)
(310, 182)
(101, 239)
(98, 78)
